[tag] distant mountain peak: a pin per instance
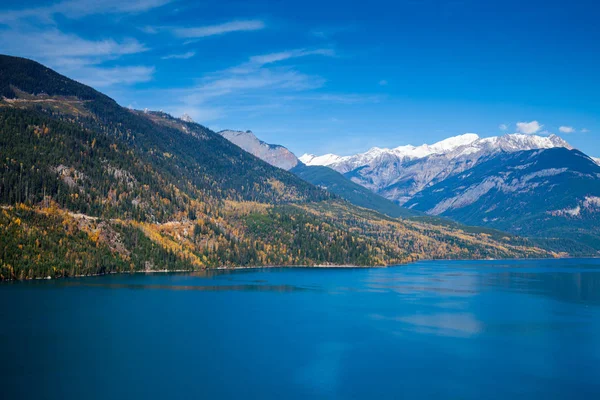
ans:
(275, 155)
(326, 159)
(401, 172)
(465, 143)
(452, 143)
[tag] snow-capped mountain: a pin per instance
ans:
(347, 163)
(596, 160)
(275, 155)
(401, 172)
(551, 192)
(469, 142)
(537, 186)
(324, 160)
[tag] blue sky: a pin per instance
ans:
(332, 76)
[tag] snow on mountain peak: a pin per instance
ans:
(326, 159)
(454, 142)
(520, 142)
(406, 151)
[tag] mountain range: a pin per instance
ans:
(323, 177)
(537, 186)
(400, 173)
(88, 187)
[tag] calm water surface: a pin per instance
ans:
(458, 330)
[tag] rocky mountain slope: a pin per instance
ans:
(323, 177)
(356, 194)
(539, 193)
(531, 185)
(400, 173)
(275, 155)
(87, 186)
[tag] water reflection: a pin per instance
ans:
(471, 330)
(576, 287)
(441, 324)
(208, 288)
(563, 280)
(421, 282)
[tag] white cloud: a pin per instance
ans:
(584, 130)
(275, 79)
(503, 127)
(286, 55)
(529, 128)
(383, 82)
(258, 74)
(256, 87)
(212, 30)
(53, 44)
(76, 57)
(103, 77)
(566, 129)
(183, 56)
(80, 8)
(34, 34)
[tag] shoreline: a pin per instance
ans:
(319, 266)
(167, 271)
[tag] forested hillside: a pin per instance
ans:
(337, 183)
(90, 187)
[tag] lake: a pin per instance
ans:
(444, 329)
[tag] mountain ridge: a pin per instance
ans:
(323, 177)
(276, 155)
(536, 193)
(399, 176)
(515, 140)
(107, 189)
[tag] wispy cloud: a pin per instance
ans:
(103, 77)
(286, 55)
(383, 82)
(274, 79)
(77, 57)
(53, 44)
(34, 33)
(566, 129)
(529, 128)
(253, 84)
(183, 56)
(220, 29)
(503, 127)
(257, 74)
(584, 130)
(81, 8)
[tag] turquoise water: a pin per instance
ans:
(457, 330)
